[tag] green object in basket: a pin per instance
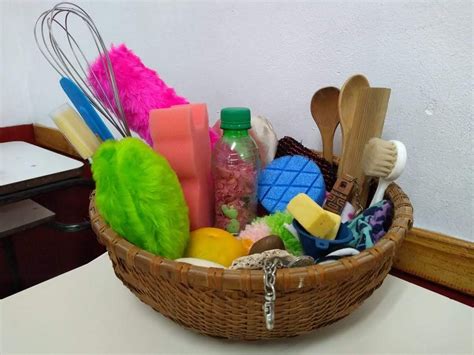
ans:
(140, 197)
(277, 222)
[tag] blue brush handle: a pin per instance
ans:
(85, 109)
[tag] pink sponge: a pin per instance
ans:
(140, 88)
(180, 134)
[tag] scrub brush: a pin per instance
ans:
(386, 160)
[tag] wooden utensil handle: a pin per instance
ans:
(327, 147)
(369, 117)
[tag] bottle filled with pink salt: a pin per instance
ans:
(235, 166)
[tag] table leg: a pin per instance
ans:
(12, 263)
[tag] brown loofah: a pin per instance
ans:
(289, 146)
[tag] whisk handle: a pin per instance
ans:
(85, 109)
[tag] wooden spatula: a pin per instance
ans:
(369, 116)
(347, 106)
(324, 109)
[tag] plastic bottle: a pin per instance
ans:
(235, 171)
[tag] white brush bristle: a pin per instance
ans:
(379, 157)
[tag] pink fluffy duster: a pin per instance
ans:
(140, 88)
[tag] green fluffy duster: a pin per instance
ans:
(276, 223)
(140, 197)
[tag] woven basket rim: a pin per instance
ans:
(252, 280)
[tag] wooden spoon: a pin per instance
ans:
(347, 106)
(324, 109)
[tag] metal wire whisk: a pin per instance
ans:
(70, 61)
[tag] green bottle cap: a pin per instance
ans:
(235, 118)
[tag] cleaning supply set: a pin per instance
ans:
(228, 230)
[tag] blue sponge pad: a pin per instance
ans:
(286, 177)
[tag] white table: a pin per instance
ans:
(25, 171)
(24, 165)
(88, 310)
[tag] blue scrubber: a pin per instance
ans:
(286, 177)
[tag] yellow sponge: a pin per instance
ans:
(312, 217)
(337, 223)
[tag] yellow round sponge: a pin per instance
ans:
(215, 245)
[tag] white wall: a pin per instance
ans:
(273, 56)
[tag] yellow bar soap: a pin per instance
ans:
(311, 216)
(337, 223)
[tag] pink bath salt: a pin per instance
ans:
(221, 221)
(235, 187)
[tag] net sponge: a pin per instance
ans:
(277, 222)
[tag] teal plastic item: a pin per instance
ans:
(85, 109)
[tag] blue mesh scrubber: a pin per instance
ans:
(286, 177)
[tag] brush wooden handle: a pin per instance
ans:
(369, 117)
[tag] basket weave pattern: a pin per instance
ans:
(228, 303)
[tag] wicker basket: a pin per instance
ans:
(228, 303)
